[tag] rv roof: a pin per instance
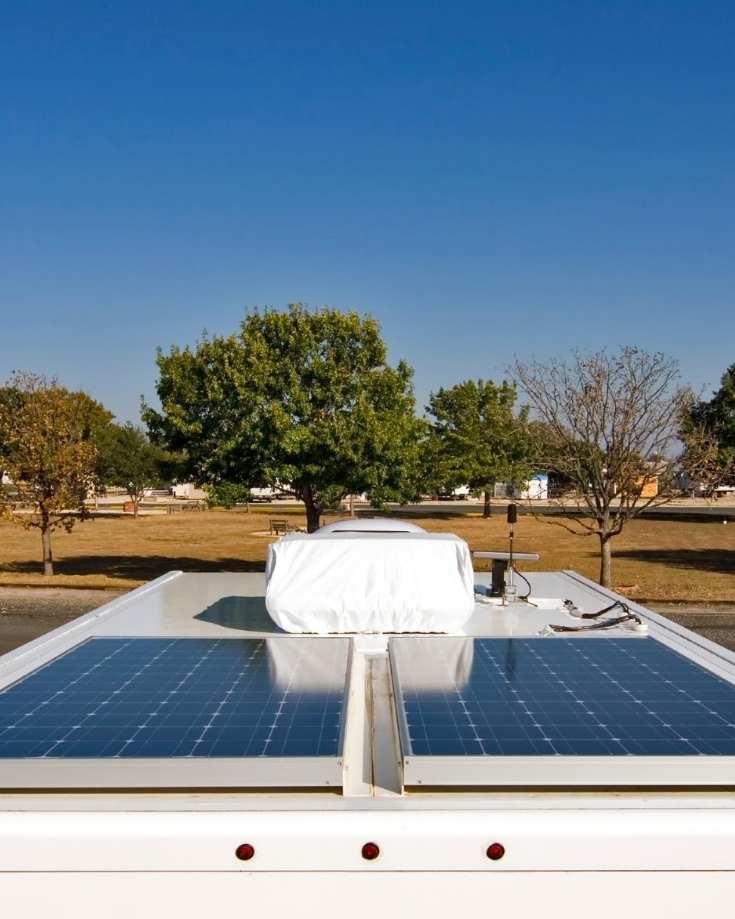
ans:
(320, 695)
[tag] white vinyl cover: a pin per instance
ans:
(352, 581)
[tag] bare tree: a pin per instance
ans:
(609, 425)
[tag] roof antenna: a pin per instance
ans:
(509, 593)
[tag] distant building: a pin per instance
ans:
(461, 493)
(188, 490)
(534, 489)
(650, 488)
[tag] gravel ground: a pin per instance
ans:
(26, 613)
(716, 622)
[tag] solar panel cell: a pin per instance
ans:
(542, 697)
(155, 697)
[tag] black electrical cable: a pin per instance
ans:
(528, 584)
(605, 624)
(618, 603)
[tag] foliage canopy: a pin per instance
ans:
(303, 399)
(47, 437)
(711, 424)
(127, 459)
(479, 437)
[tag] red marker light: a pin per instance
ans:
(370, 851)
(245, 852)
(495, 851)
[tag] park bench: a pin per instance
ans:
(279, 527)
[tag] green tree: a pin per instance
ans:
(9, 402)
(228, 495)
(714, 422)
(303, 399)
(479, 437)
(49, 453)
(127, 459)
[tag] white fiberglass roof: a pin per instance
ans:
(226, 614)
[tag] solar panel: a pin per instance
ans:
(180, 699)
(546, 702)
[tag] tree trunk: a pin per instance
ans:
(487, 510)
(313, 510)
(352, 505)
(605, 561)
(48, 559)
(135, 506)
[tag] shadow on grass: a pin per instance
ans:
(719, 560)
(133, 567)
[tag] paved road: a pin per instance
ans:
(667, 512)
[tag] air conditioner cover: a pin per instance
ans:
(369, 582)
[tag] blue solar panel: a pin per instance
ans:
(548, 696)
(182, 697)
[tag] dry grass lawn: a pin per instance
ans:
(653, 559)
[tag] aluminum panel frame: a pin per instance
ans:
(562, 771)
(174, 773)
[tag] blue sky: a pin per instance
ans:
(487, 179)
